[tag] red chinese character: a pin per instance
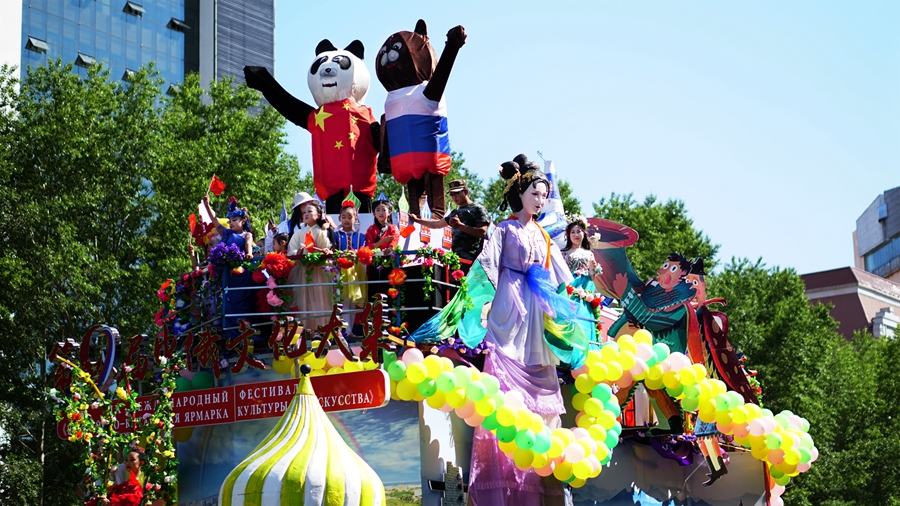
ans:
(332, 329)
(188, 355)
(207, 351)
(63, 375)
(243, 340)
(165, 344)
(373, 328)
(134, 359)
(284, 336)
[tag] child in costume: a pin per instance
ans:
(239, 302)
(526, 267)
(311, 238)
(346, 238)
(381, 235)
(582, 265)
(128, 490)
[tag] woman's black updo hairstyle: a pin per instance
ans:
(520, 174)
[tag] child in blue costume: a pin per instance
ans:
(236, 302)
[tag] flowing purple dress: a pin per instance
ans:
(520, 359)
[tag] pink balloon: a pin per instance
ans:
(741, 430)
(777, 489)
(356, 350)
(574, 452)
(625, 381)
(802, 467)
(776, 456)
(581, 433)
(644, 351)
(466, 410)
(446, 408)
(639, 366)
(595, 463)
(475, 420)
(592, 445)
(724, 428)
(335, 358)
(757, 427)
(411, 356)
(544, 471)
(814, 454)
(514, 399)
(581, 370)
(188, 375)
(776, 501)
(666, 366)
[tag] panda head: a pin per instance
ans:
(338, 74)
(406, 59)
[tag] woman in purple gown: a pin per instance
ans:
(521, 261)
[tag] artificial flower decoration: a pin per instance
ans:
(365, 255)
(397, 277)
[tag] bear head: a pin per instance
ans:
(338, 74)
(406, 59)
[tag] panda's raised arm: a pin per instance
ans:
(456, 37)
(293, 109)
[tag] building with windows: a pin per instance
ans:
(876, 241)
(213, 37)
(861, 300)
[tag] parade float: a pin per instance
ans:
(516, 378)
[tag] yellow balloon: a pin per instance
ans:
(585, 421)
(353, 366)
(653, 384)
(370, 365)
(577, 482)
(523, 419)
(437, 400)
(509, 447)
(688, 376)
(523, 458)
(556, 447)
(537, 423)
(565, 435)
(626, 343)
(615, 371)
(700, 371)
(593, 357)
(416, 372)
(655, 372)
(406, 389)
(316, 372)
(456, 398)
(183, 434)
(578, 401)
(671, 379)
(609, 354)
(447, 364)
(540, 460)
(283, 365)
(626, 359)
(433, 366)
(486, 406)
(335, 370)
(598, 371)
(643, 336)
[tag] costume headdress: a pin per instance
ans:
(234, 210)
(520, 173)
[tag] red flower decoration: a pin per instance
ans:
(345, 263)
(393, 292)
(162, 295)
(278, 265)
(258, 276)
(596, 302)
(397, 277)
(428, 262)
(457, 274)
(365, 255)
(570, 289)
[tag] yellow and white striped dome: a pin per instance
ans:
(303, 461)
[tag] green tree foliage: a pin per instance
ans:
(663, 228)
(97, 180)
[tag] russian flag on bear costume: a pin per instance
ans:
(417, 133)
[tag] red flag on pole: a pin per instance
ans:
(216, 186)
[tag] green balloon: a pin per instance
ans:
(612, 439)
(607, 458)
(613, 405)
(775, 473)
(618, 428)
(182, 384)
(525, 439)
(427, 387)
(602, 392)
(773, 441)
(805, 455)
(541, 442)
(675, 392)
(690, 404)
(397, 370)
(691, 391)
(446, 381)
(506, 434)
(661, 350)
(490, 422)
(491, 385)
(475, 391)
(202, 380)
(783, 481)
(463, 376)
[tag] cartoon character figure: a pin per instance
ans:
(415, 145)
(345, 135)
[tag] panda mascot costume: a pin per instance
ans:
(345, 135)
(415, 145)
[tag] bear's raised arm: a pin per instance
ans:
(456, 37)
(295, 110)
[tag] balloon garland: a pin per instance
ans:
(575, 455)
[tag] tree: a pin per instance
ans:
(97, 179)
(663, 228)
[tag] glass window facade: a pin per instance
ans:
(102, 30)
(884, 260)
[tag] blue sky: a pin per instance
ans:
(777, 123)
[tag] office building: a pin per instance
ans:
(876, 241)
(213, 37)
(861, 300)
